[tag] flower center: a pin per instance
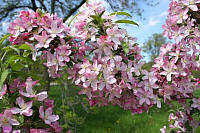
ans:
(5, 121)
(24, 107)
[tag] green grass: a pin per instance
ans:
(113, 119)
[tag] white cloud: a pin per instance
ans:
(163, 14)
(5, 26)
(153, 21)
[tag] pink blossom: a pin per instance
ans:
(182, 15)
(196, 103)
(25, 108)
(115, 34)
(16, 27)
(163, 130)
(149, 76)
(137, 68)
(55, 30)
(7, 121)
(92, 80)
(49, 103)
(56, 127)
(191, 4)
(3, 91)
(96, 67)
(63, 53)
(43, 41)
(107, 82)
(128, 70)
(47, 116)
(16, 131)
(30, 93)
(84, 66)
(38, 131)
(169, 70)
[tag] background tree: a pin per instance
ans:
(64, 8)
(152, 46)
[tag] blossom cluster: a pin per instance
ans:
(27, 99)
(43, 32)
(176, 122)
(105, 61)
(112, 73)
(178, 61)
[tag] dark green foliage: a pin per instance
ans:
(152, 46)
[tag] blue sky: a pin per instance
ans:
(154, 19)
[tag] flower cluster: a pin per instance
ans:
(112, 73)
(105, 61)
(176, 63)
(43, 32)
(176, 122)
(27, 101)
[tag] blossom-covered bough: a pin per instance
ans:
(103, 60)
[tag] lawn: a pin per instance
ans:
(113, 119)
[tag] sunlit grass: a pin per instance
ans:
(113, 119)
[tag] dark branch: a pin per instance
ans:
(73, 10)
(34, 5)
(53, 6)
(42, 4)
(10, 8)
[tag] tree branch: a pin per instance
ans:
(73, 10)
(53, 6)
(34, 5)
(42, 4)
(9, 9)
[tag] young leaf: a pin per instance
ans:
(25, 47)
(127, 22)
(4, 38)
(125, 47)
(15, 49)
(3, 77)
(100, 76)
(121, 13)
(17, 66)
(73, 18)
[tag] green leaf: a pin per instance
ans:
(127, 22)
(73, 18)
(15, 49)
(17, 66)
(120, 13)
(3, 77)
(4, 38)
(100, 76)
(196, 93)
(25, 47)
(125, 47)
(21, 119)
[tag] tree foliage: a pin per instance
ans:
(64, 8)
(153, 44)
